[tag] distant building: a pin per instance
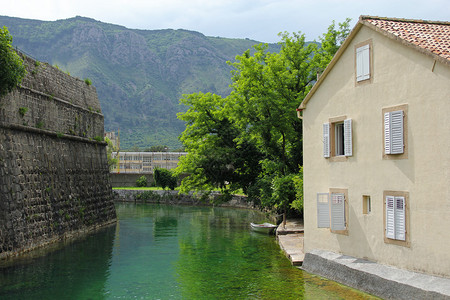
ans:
(146, 162)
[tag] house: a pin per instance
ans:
(376, 138)
(145, 162)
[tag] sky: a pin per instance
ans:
(259, 20)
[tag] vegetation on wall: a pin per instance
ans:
(252, 139)
(12, 70)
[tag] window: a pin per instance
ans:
(337, 138)
(332, 210)
(363, 62)
(395, 132)
(367, 205)
(396, 222)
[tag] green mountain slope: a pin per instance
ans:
(139, 74)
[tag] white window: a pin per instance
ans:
(332, 210)
(393, 132)
(363, 63)
(337, 138)
(395, 218)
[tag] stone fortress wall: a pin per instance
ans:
(54, 177)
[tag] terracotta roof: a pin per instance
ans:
(428, 35)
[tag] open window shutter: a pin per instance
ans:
(400, 228)
(337, 211)
(323, 210)
(362, 63)
(390, 217)
(387, 133)
(326, 140)
(348, 137)
(396, 132)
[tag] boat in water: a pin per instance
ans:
(264, 228)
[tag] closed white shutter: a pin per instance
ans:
(362, 63)
(337, 211)
(326, 140)
(390, 217)
(397, 132)
(348, 145)
(323, 210)
(400, 228)
(393, 132)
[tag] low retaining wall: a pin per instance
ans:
(380, 280)
(174, 198)
(128, 179)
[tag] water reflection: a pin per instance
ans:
(169, 252)
(70, 271)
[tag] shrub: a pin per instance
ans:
(142, 181)
(165, 178)
(12, 69)
(87, 81)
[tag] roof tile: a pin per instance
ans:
(431, 36)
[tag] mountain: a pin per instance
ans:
(140, 75)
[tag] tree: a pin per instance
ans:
(12, 70)
(253, 139)
(112, 162)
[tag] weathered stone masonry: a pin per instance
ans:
(54, 178)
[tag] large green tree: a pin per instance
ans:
(252, 139)
(12, 70)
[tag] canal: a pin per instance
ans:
(168, 252)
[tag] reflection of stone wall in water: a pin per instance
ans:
(54, 178)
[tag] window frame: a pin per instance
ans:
(330, 138)
(394, 156)
(394, 241)
(359, 46)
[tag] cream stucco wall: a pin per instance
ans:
(400, 75)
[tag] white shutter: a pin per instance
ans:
(390, 217)
(323, 210)
(348, 145)
(387, 133)
(400, 228)
(393, 132)
(337, 211)
(362, 63)
(396, 132)
(326, 140)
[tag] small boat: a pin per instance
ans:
(264, 228)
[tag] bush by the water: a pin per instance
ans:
(165, 178)
(142, 181)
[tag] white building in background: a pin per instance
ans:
(146, 162)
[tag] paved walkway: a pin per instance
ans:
(290, 239)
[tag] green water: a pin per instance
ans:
(168, 252)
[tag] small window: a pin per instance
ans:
(367, 205)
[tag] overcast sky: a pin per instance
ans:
(259, 20)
